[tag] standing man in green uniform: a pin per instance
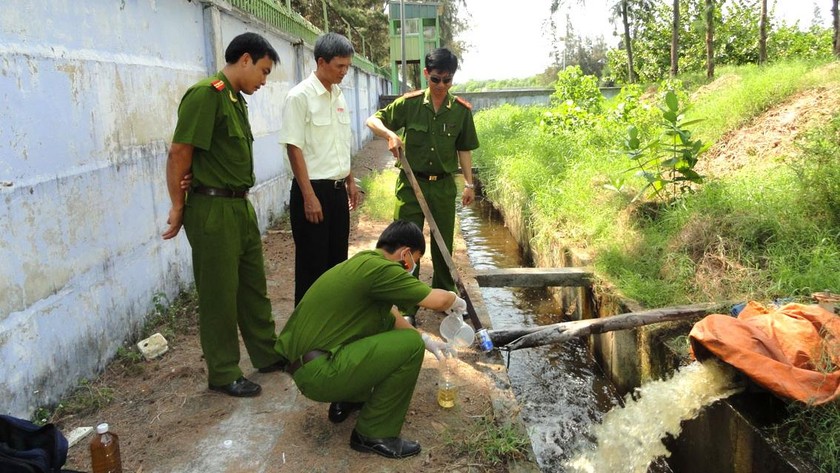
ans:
(349, 346)
(213, 141)
(316, 132)
(439, 135)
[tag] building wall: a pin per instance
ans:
(90, 95)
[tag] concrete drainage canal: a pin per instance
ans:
(577, 420)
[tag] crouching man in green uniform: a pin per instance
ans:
(213, 141)
(350, 347)
(439, 136)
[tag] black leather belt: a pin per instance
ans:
(306, 358)
(431, 177)
(334, 183)
(217, 192)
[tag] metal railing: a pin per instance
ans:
(280, 17)
(286, 19)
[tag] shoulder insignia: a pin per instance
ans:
(413, 93)
(463, 102)
(218, 85)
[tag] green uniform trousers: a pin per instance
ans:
(440, 195)
(380, 371)
(230, 280)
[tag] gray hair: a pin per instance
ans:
(330, 45)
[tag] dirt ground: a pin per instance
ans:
(168, 421)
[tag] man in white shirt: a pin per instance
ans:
(316, 132)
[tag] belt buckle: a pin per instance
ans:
(433, 177)
(338, 183)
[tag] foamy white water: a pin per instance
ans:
(630, 438)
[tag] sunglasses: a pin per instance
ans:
(436, 79)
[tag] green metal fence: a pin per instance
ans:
(279, 17)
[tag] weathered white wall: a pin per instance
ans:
(90, 90)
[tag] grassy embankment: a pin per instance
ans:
(765, 230)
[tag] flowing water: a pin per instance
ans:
(563, 393)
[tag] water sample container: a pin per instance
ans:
(105, 451)
(455, 331)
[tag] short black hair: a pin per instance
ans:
(255, 45)
(402, 233)
(330, 45)
(443, 60)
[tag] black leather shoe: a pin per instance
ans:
(339, 411)
(276, 366)
(391, 447)
(239, 388)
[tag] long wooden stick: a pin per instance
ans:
(433, 229)
(516, 339)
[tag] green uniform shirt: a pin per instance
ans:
(350, 301)
(216, 123)
(431, 140)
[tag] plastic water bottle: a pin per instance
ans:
(447, 389)
(105, 451)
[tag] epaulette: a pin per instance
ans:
(463, 102)
(218, 85)
(413, 93)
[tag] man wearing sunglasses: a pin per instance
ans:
(438, 137)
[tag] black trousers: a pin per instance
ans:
(318, 246)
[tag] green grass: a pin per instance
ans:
(379, 200)
(815, 430)
(485, 443)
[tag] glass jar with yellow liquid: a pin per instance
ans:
(447, 389)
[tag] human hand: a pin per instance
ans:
(312, 210)
(186, 182)
(175, 220)
(458, 307)
(468, 196)
(394, 144)
(353, 194)
(436, 347)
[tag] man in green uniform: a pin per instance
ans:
(349, 346)
(213, 142)
(439, 135)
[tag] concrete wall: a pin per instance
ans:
(90, 94)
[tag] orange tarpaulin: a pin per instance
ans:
(793, 351)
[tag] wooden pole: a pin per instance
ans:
(515, 339)
(433, 229)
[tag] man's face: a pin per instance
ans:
(439, 81)
(255, 74)
(335, 70)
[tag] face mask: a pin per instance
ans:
(410, 258)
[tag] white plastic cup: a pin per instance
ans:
(455, 331)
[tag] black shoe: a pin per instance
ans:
(339, 411)
(410, 319)
(239, 388)
(391, 447)
(276, 366)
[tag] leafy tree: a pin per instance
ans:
(365, 17)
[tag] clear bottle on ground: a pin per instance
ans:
(105, 451)
(447, 389)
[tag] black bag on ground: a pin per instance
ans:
(27, 448)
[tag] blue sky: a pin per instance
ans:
(510, 39)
